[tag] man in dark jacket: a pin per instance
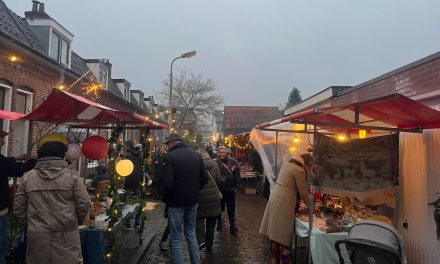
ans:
(9, 167)
(230, 172)
(184, 175)
(157, 161)
(132, 182)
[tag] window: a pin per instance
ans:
(59, 49)
(21, 105)
(64, 52)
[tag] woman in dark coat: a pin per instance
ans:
(209, 207)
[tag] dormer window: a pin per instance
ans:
(59, 49)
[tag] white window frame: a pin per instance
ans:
(29, 102)
(6, 123)
(60, 39)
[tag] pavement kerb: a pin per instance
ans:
(154, 221)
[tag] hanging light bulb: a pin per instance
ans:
(341, 136)
(295, 139)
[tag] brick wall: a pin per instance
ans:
(419, 81)
(41, 80)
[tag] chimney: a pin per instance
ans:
(35, 6)
(41, 8)
(37, 11)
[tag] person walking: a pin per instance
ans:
(9, 167)
(132, 182)
(53, 200)
(184, 175)
(209, 207)
(157, 161)
(279, 215)
(230, 172)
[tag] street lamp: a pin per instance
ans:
(186, 55)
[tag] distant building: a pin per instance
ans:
(240, 119)
(218, 124)
(205, 131)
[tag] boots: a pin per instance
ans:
(232, 227)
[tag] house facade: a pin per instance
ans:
(36, 56)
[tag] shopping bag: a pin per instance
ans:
(19, 244)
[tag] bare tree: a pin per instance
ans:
(193, 97)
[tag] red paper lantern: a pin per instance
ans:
(95, 148)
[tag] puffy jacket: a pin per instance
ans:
(184, 174)
(53, 200)
(209, 199)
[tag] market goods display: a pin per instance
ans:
(340, 213)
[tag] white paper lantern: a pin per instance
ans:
(73, 152)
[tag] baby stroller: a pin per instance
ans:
(372, 242)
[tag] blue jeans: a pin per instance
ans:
(3, 240)
(183, 218)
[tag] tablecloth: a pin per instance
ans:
(322, 244)
(94, 244)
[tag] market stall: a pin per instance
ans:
(111, 207)
(356, 154)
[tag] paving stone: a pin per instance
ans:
(248, 246)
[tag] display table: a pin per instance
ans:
(94, 244)
(322, 244)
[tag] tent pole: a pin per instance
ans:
(276, 154)
(311, 207)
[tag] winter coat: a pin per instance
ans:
(230, 176)
(53, 200)
(9, 167)
(209, 198)
(279, 216)
(133, 180)
(158, 161)
(184, 174)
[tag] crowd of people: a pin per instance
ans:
(196, 188)
(51, 199)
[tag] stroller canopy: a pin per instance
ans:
(380, 233)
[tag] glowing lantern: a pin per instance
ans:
(53, 137)
(73, 152)
(124, 167)
(362, 133)
(95, 148)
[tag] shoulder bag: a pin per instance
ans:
(219, 192)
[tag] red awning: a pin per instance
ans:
(63, 107)
(390, 113)
(10, 115)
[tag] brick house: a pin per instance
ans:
(35, 57)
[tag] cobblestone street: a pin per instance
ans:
(248, 246)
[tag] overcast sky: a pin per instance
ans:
(254, 50)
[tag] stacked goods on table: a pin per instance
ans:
(339, 214)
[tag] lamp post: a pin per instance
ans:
(186, 55)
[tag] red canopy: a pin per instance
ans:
(391, 113)
(10, 115)
(64, 107)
